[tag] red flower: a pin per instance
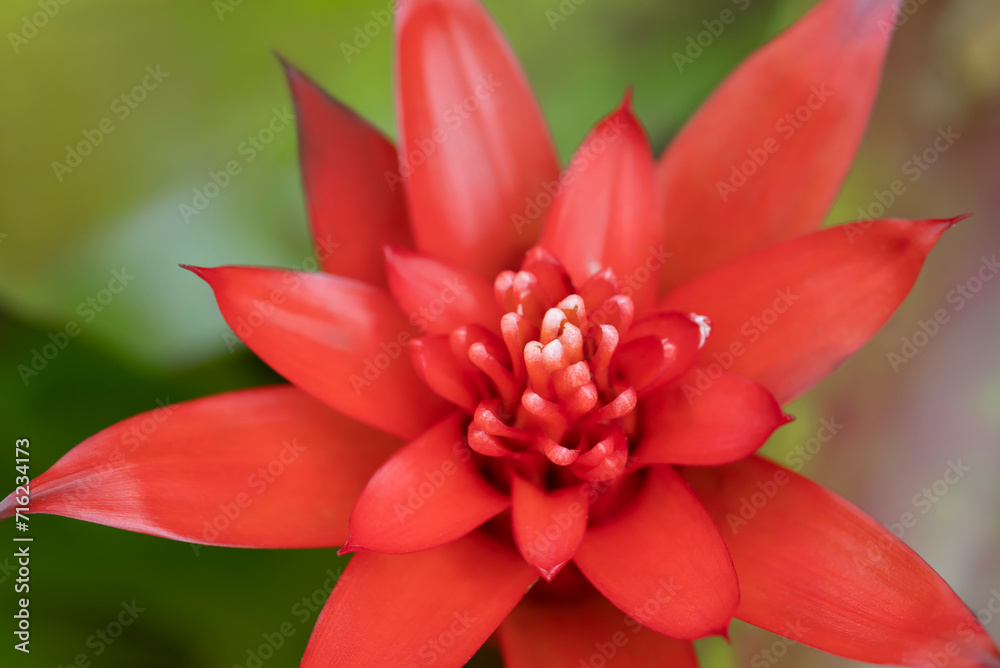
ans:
(587, 388)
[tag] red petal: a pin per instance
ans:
(604, 214)
(744, 172)
(548, 527)
(815, 568)
(659, 348)
(702, 421)
(435, 362)
(475, 150)
(349, 171)
(269, 467)
(788, 315)
(438, 606)
(341, 340)
(427, 494)
(663, 562)
(585, 630)
(439, 297)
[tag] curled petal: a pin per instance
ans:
(659, 348)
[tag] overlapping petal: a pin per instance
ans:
(350, 176)
(341, 340)
(786, 316)
(437, 296)
(584, 629)
(435, 607)
(269, 467)
(427, 494)
(662, 561)
(764, 157)
(815, 568)
(603, 214)
(703, 419)
(474, 149)
(548, 526)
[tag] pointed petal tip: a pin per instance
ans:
(549, 574)
(628, 99)
(350, 548)
(200, 272)
(932, 230)
(296, 78)
(288, 67)
(624, 114)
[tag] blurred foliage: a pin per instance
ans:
(62, 237)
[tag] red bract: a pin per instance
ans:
(529, 402)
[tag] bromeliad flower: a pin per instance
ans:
(530, 401)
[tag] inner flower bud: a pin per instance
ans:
(553, 398)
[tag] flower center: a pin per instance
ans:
(555, 394)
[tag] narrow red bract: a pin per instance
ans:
(543, 422)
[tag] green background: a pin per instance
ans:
(161, 339)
